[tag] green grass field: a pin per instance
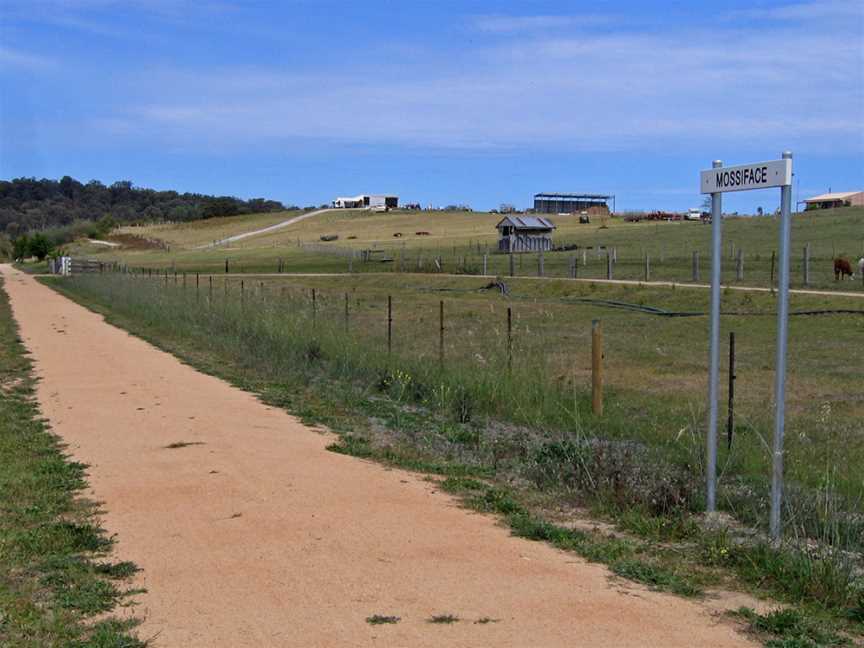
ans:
(57, 584)
(461, 239)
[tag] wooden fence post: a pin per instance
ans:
(314, 306)
(608, 264)
(807, 264)
(739, 265)
(226, 266)
(485, 264)
(597, 367)
(512, 265)
(647, 267)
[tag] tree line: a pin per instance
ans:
(30, 205)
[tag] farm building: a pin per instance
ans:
(571, 203)
(524, 234)
(836, 199)
(366, 200)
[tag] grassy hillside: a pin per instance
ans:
(460, 239)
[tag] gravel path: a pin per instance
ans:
(257, 536)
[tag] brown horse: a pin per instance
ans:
(842, 268)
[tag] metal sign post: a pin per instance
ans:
(780, 375)
(717, 180)
(714, 351)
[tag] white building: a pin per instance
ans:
(371, 201)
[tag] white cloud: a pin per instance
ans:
(510, 24)
(14, 58)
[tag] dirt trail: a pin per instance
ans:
(263, 230)
(259, 537)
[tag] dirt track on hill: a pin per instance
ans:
(257, 536)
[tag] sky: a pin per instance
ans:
(439, 102)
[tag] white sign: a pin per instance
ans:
(760, 175)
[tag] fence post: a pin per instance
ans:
(242, 294)
(314, 306)
(389, 324)
(608, 264)
(226, 266)
(647, 267)
(512, 265)
(509, 339)
(441, 332)
(730, 421)
(485, 264)
(346, 312)
(573, 266)
(540, 264)
(739, 265)
(696, 265)
(211, 290)
(807, 264)
(597, 367)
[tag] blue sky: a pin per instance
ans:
(440, 102)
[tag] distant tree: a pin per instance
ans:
(21, 247)
(40, 246)
(759, 211)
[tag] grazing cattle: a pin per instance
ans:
(421, 233)
(398, 234)
(842, 268)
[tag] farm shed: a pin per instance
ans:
(524, 234)
(571, 203)
(836, 199)
(367, 200)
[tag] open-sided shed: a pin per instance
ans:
(524, 234)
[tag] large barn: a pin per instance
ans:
(572, 203)
(524, 234)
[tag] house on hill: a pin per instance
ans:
(524, 234)
(836, 199)
(372, 201)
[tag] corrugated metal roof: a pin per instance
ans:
(573, 195)
(837, 195)
(527, 222)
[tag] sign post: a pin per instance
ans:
(714, 346)
(717, 180)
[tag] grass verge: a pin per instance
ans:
(56, 581)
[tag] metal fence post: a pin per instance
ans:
(509, 339)
(597, 367)
(807, 264)
(730, 421)
(441, 332)
(389, 324)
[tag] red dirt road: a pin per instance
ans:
(260, 537)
